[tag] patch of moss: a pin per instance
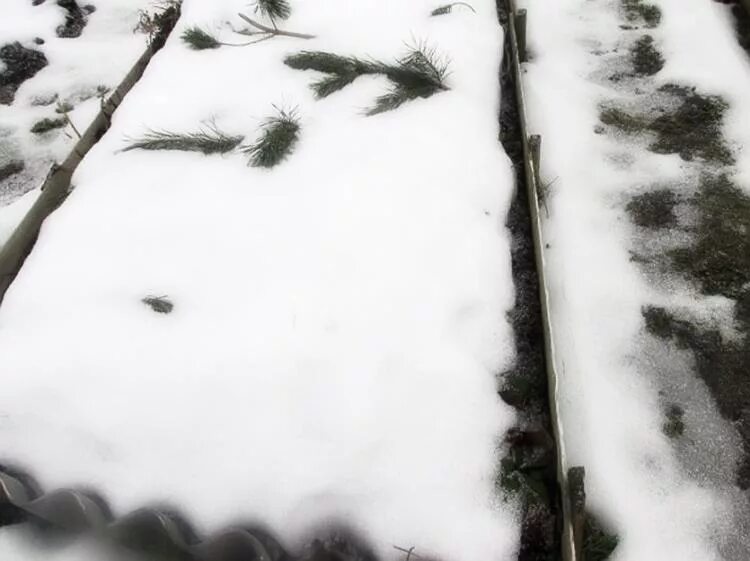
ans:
(654, 209)
(638, 10)
(674, 425)
(721, 364)
(622, 120)
(598, 544)
(46, 125)
(646, 60)
(693, 129)
(719, 259)
(11, 168)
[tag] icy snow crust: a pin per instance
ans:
(665, 504)
(100, 57)
(339, 320)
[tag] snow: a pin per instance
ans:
(100, 57)
(660, 506)
(339, 321)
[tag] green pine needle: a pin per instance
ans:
(418, 74)
(273, 9)
(199, 40)
(277, 141)
(207, 141)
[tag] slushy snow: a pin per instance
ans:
(662, 506)
(339, 320)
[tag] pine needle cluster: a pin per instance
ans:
(159, 304)
(420, 73)
(209, 140)
(198, 39)
(448, 8)
(278, 138)
(273, 9)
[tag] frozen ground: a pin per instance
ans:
(339, 321)
(662, 462)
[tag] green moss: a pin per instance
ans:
(693, 129)
(46, 125)
(654, 209)
(719, 259)
(638, 10)
(598, 544)
(646, 60)
(622, 120)
(674, 425)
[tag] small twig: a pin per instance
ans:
(61, 108)
(409, 552)
(274, 30)
(448, 8)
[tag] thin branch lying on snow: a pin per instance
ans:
(277, 141)
(420, 73)
(207, 141)
(64, 109)
(266, 32)
(448, 8)
(199, 39)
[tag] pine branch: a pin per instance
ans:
(448, 8)
(207, 141)
(273, 9)
(199, 40)
(278, 138)
(420, 73)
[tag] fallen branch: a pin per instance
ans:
(270, 31)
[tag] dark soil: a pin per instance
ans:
(622, 120)
(646, 60)
(12, 168)
(674, 425)
(693, 130)
(638, 11)
(528, 472)
(743, 26)
(20, 65)
(75, 20)
(654, 209)
(46, 125)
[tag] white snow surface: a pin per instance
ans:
(339, 320)
(612, 413)
(100, 57)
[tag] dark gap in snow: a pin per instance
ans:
(638, 11)
(10, 169)
(528, 472)
(75, 19)
(742, 20)
(647, 60)
(20, 65)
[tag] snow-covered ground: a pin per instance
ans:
(79, 70)
(339, 320)
(666, 498)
